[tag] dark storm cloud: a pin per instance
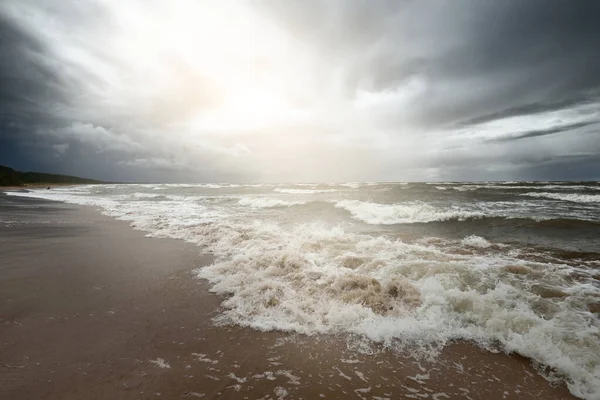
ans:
(27, 87)
(542, 132)
(446, 89)
(540, 52)
(58, 112)
(535, 108)
(478, 56)
(31, 95)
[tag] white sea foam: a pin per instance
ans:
(402, 213)
(161, 363)
(304, 191)
(551, 187)
(313, 278)
(409, 296)
(265, 202)
(191, 185)
(280, 392)
(351, 185)
(465, 188)
(574, 197)
(146, 195)
(157, 196)
(475, 241)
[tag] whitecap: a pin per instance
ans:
(402, 213)
(475, 241)
(574, 197)
(304, 191)
(265, 202)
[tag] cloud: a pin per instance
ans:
(543, 132)
(153, 163)
(275, 90)
(97, 137)
(60, 149)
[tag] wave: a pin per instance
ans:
(213, 186)
(149, 197)
(568, 223)
(558, 187)
(139, 195)
(573, 197)
(507, 187)
(264, 202)
(402, 213)
(197, 185)
(475, 241)
(352, 185)
(416, 297)
(304, 191)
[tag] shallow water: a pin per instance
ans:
(412, 265)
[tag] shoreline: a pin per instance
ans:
(39, 186)
(92, 306)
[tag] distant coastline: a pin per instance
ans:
(10, 178)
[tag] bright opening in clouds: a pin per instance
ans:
(301, 91)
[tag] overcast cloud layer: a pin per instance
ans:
(301, 90)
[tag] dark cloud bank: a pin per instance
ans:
(375, 90)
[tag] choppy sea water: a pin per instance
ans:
(512, 266)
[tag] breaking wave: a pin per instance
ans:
(304, 191)
(402, 213)
(507, 187)
(475, 241)
(574, 197)
(264, 202)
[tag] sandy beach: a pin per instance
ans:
(92, 309)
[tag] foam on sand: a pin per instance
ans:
(161, 363)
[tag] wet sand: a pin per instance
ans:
(90, 308)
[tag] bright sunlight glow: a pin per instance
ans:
(239, 53)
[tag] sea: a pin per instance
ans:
(508, 266)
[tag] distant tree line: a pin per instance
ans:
(10, 177)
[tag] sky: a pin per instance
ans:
(301, 91)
